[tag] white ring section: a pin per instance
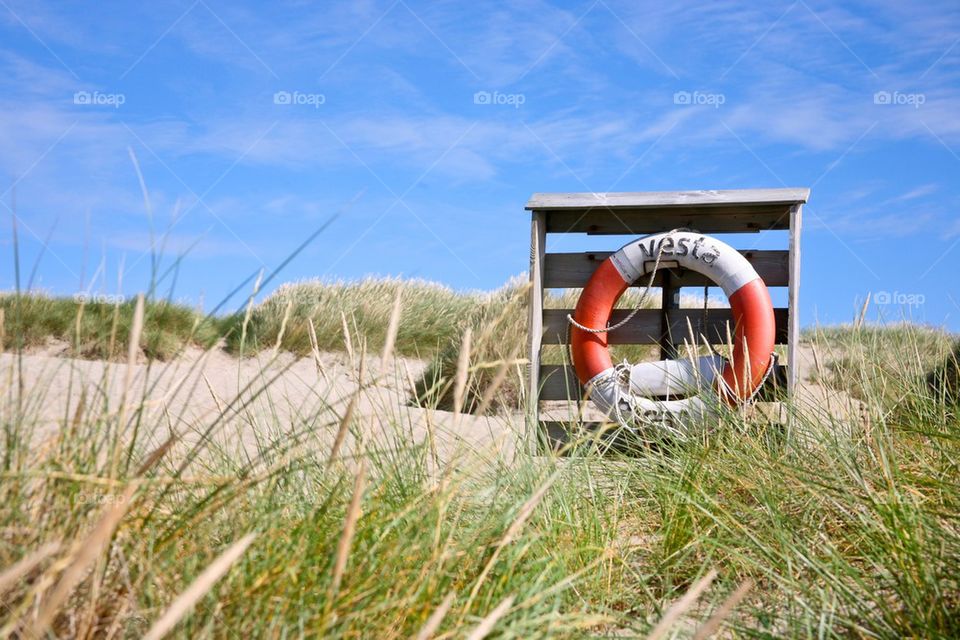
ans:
(719, 262)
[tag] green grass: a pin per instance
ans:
(101, 330)
(433, 315)
(845, 527)
(434, 319)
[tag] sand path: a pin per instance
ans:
(270, 398)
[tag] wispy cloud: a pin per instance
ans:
(589, 98)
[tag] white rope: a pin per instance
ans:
(621, 371)
(643, 296)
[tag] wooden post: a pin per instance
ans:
(614, 214)
(668, 302)
(793, 295)
(538, 237)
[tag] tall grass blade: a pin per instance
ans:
(85, 553)
(349, 529)
(462, 376)
(436, 618)
(393, 327)
(184, 602)
(486, 625)
(712, 625)
(682, 605)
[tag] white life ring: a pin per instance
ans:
(732, 382)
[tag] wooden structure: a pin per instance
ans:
(638, 214)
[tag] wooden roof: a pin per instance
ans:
(732, 200)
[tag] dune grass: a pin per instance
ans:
(839, 524)
(90, 329)
(435, 319)
(498, 328)
(434, 316)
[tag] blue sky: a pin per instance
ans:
(253, 123)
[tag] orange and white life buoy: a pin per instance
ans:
(731, 382)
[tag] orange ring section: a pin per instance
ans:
(590, 353)
(754, 331)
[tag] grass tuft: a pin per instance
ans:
(99, 330)
(128, 504)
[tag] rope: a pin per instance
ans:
(643, 296)
(622, 370)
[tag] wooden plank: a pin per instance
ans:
(738, 199)
(703, 219)
(669, 302)
(645, 326)
(589, 438)
(572, 270)
(559, 382)
(538, 231)
(556, 434)
(793, 297)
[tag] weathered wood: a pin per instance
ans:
(737, 199)
(793, 296)
(669, 302)
(573, 270)
(644, 328)
(559, 382)
(556, 433)
(633, 214)
(538, 239)
(702, 219)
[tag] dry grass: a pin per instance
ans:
(101, 330)
(844, 528)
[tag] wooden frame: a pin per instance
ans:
(636, 214)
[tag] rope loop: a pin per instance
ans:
(620, 376)
(643, 296)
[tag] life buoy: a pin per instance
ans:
(629, 387)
